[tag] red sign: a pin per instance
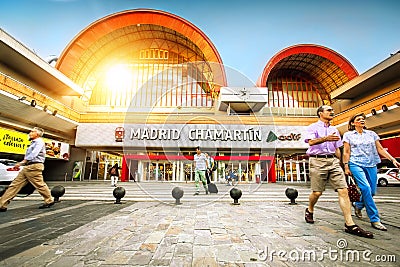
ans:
(392, 146)
(119, 134)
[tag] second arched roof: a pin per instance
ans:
(326, 66)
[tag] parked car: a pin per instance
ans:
(7, 171)
(388, 176)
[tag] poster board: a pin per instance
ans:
(17, 142)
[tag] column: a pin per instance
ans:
(240, 171)
(173, 171)
(140, 171)
(105, 170)
(182, 172)
(157, 172)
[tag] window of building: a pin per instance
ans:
(295, 92)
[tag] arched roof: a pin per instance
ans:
(324, 65)
(121, 30)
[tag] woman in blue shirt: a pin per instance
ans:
(360, 157)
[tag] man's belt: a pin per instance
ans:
(323, 156)
(32, 162)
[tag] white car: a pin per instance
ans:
(7, 171)
(388, 176)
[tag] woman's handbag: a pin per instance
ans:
(354, 193)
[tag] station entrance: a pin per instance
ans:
(180, 168)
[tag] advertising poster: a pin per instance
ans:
(16, 143)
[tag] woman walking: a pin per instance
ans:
(114, 174)
(360, 157)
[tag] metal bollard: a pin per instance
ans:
(235, 193)
(2, 190)
(24, 192)
(57, 192)
(177, 193)
(118, 192)
(292, 194)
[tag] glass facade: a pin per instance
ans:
(157, 68)
(153, 85)
(294, 92)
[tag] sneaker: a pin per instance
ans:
(379, 226)
(356, 230)
(206, 192)
(309, 216)
(45, 206)
(357, 212)
(197, 193)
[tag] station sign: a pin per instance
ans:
(190, 135)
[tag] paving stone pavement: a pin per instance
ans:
(215, 233)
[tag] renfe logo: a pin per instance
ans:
(291, 137)
(119, 134)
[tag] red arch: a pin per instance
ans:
(324, 52)
(105, 25)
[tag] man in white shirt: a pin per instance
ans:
(201, 166)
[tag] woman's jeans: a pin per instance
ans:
(366, 179)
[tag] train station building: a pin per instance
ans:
(143, 88)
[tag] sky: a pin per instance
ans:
(247, 34)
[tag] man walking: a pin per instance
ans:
(32, 172)
(324, 153)
(201, 165)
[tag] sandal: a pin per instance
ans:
(309, 216)
(356, 230)
(357, 212)
(379, 226)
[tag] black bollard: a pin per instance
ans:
(57, 192)
(235, 193)
(2, 190)
(118, 192)
(26, 190)
(177, 193)
(292, 194)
